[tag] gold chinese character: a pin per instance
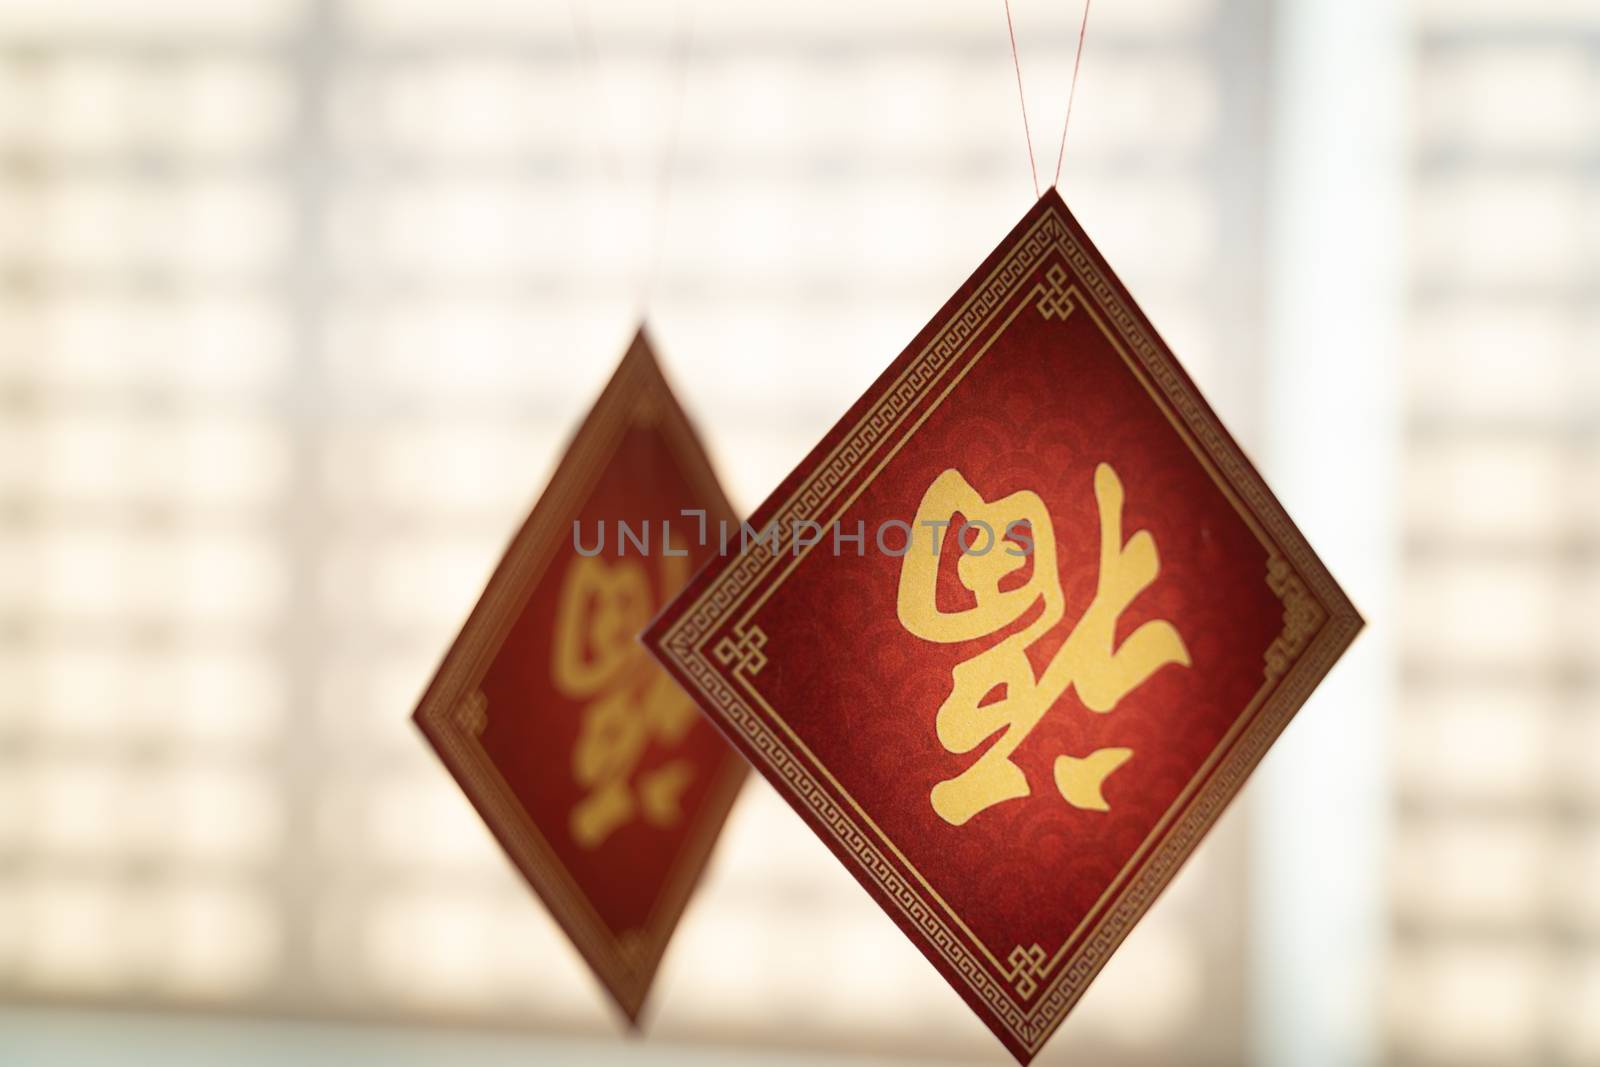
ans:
(595, 657)
(996, 690)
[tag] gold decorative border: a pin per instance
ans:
(1320, 623)
(453, 711)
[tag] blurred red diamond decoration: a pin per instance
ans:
(1012, 636)
(593, 769)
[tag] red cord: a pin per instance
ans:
(1083, 29)
(1027, 133)
(1033, 168)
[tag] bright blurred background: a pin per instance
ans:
(299, 298)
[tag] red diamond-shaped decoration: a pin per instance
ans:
(592, 769)
(1075, 620)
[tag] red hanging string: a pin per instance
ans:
(1083, 29)
(1033, 168)
(1016, 64)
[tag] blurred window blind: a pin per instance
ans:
(297, 304)
(1496, 857)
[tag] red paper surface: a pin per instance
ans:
(597, 775)
(1037, 377)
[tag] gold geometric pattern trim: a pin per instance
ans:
(647, 411)
(1026, 966)
(843, 827)
(744, 656)
(1302, 617)
(1056, 302)
(634, 947)
(472, 713)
